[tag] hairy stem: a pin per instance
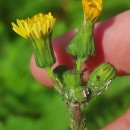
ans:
(77, 118)
(57, 84)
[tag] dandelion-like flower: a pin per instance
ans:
(35, 27)
(92, 8)
(38, 30)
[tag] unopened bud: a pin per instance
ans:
(100, 78)
(82, 45)
(81, 94)
(72, 79)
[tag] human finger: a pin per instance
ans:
(122, 123)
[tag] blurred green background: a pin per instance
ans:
(25, 104)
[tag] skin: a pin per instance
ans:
(112, 40)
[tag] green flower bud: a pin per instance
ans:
(100, 78)
(72, 79)
(80, 94)
(82, 45)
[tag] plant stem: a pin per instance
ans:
(78, 64)
(57, 83)
(77, 117)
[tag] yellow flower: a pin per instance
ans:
(38, 30)
(35, 27)
(92, 8)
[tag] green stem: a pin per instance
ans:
(78, 64)
(57, 83)
(77, 117)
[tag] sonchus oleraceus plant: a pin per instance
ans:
(68, 82)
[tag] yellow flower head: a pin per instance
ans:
(92, 8)
(35, 27)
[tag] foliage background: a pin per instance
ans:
(25, 104)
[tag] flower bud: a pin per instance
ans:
(100, 78)
(82, 45)
(81, 94)
(72, 79)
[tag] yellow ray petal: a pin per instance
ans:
(92, 8)
(40, 24)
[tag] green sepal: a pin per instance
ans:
(43, 53)
(100, 78)
(72, 79)
(82, 45)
